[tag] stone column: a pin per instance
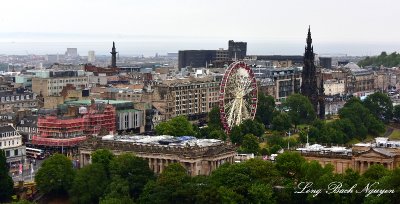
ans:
(81, 160)
(193, 169)
(369, 164)
(362, 166)
(151, 164)
(155, 165)
(161, 165)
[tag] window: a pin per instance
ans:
(8, 153)
(16, 152)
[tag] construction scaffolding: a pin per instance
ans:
(96, 122)
(54, 131)
(66, 131)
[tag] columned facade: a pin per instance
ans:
(196, 160)
(360, 161)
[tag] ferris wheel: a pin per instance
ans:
(238, 95)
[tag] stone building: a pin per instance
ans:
(359, 81)
(51, 83)
(278, 82)
(198, 156)
(11, 143)
(11, 99)
(334, 87)
(190, 97)
(27, 127)
(359, 158)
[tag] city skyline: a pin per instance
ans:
(343, 27)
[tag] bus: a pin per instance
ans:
(34, 153)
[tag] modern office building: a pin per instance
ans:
(91, 56)
(237, 50)
(51, 83)
(214, 58)
(196, 58)
(71, 52)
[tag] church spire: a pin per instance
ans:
(113, 56)
(309, 39)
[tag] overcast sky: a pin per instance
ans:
(333, 21)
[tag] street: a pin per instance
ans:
(26, 172)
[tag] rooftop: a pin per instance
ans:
(7, 128)
(88, 102)
(164, 140)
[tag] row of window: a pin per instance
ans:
(9, 134)
(67, 80)
(27, 129)
(189, 112)
(19, 105)
(196, 86)
(10, 143)
(16, 153)
(16, 98)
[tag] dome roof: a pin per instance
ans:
(352, 65)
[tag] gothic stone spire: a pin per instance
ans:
(113, 56)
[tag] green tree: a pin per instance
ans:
(384, 59)
(250, 144)
(214, 120)
(261, 193)
(178, 126)
(164, 128)
(89, 184)
(117, 192)
(275, 149)
(275, 139)
(300, 109)
(133, 169)
(217, 134)
(236, 135)
(289, 164)
(380, 105)
(242, 182)
(396, 112)
(103, 157)
(6, 182)
(172, 186)
(252, 127)
(265, 108)
(361, 118)
(55, 175)
(375, 172)
(281, 122)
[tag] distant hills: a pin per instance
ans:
(392, 60)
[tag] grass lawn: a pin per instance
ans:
(353, 141)
(369, 138)
(395, 135)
